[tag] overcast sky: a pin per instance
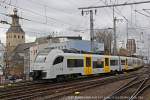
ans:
(63, 18)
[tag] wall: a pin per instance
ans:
(2, 51)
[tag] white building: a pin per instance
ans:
(2, 51)
(84, 45)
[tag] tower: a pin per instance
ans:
(131, 46)
(15, 34)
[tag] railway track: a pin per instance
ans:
(19, 85)
(132, 90)
(51, 90)
(29, 85)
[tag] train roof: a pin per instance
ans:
(76, 51)
(72, 50)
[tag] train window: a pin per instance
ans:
(75, 62)
(94, 64)
(126, 61)
(88, 61)
(133, 61)
(70, 62)
(113, 62)
(139, 62)
(122, 62)
(79, 62)
(130, 62)
(40, 58)
(106, 61)
(98, 64)
(58, 60)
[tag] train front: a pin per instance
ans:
(38, 69)
(42, 66)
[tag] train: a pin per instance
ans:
(56, 63)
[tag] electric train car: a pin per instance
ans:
(55, 63)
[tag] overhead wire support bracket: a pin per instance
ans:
(142, 13)
(4, 22)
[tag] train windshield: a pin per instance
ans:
(40, 58)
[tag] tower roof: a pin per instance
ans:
(15, 29)
(15, 26)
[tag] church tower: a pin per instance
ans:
(15, 34)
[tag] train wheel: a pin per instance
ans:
(60, 78)
(112, 72)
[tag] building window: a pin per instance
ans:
(18, 36)
(22, 37)
(75, 62)
(14, 36)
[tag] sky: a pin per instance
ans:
(62, 17)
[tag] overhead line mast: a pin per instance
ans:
(114, 20)
(91, 28)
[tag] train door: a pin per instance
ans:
(126, 64)
(123, 63)
(106, 64)
(88, 64)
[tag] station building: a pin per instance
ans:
(84, 45)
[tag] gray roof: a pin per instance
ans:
(18, 54)
(41, 40)
(46, 39)
(22, 47)
(15, 29)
